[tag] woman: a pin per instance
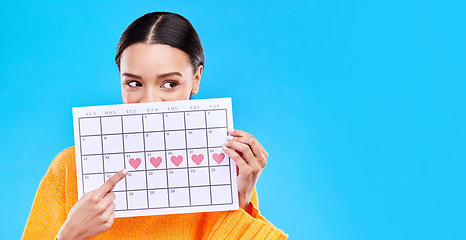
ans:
(160, 58)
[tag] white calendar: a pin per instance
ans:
(172, 150)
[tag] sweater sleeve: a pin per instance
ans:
(253, 209)
(48, 211)
(240, 224)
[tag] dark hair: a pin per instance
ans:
(163, 28)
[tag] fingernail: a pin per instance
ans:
(231, 130)
(125, 171)
(225, 143)
(225, 148)
(229, 138)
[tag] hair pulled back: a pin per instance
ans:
(163, 28)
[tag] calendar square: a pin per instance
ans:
(137, 199)
(132, 123)
(90, 126)
(179, 197)
(220, 175)
(176, 159)
(195, 119)
(92, 181)
(155, 160)
(112, 143)
(196, 138)
(199, 176)
(114, 162)
(174, 121)
(157, 179)
(216, 118)
(216, 137)
(175, 140)
(154, 141)
(178, 178)
(134, 142)
(218, 157)
(111, 125)
(173, 151)
(153, 122)
(92, 164)
(158, 198)
(198, 157)
(200, 196)
(91, 145)
(135, 161)
(136, 180)
(221, 194)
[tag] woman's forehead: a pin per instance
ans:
(151, 59)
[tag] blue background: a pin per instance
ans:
(359, 103)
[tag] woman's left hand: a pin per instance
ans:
(250, 158)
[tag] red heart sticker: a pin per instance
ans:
(197, 159)
(135, 162)
(218, 157)
(177, 160)
(156, 161)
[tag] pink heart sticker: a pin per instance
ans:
(135, 162)
(156, 161)
(176, 160)
(197, 159)
(218, 157)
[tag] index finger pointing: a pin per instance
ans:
(111, 182)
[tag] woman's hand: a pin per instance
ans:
(250, 158)
(93, 213)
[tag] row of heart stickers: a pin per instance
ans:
(176, 160)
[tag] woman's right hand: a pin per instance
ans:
(93, 214)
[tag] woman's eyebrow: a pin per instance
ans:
(169, 74)
(132, 75)
(158, 76)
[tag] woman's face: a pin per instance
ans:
(156, 73)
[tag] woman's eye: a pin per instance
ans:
(170, 85)
(133, 84)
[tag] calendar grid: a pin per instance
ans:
(124, 152)
(208, 175)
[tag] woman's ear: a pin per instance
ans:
(197, 80)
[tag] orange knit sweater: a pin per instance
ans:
(57, 194)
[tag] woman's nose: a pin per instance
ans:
(151, 96)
